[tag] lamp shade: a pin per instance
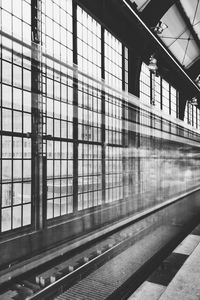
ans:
(153, 64)
(194, 101)
(197, 80)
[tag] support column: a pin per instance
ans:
(75, 111)
(134, 68)
(38, 200)
(103, 127)
(182, 104)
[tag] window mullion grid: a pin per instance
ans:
(1, 124)
(12, 130)
(123, 139)
(161, 94)
(75, 111)
(169, 109)
(103, 133)
(60, 157)
(177, 104)
(22, 155)
(37, 106)
(170, 99)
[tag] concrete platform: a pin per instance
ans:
(183, 278)
(148, 291)
(188, 245)
(186, 283)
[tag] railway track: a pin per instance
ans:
(79, 271)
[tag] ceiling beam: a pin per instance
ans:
(154, 11)
(187, 22)
(162, 47)
(194, 69)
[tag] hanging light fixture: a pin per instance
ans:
(193, 101)
(160, 27)
(153, 64)
(197, 80)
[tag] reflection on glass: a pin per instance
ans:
(6, 96)
(27, 79)
(7, 4)
(63, 205)
(17, 193)
(6, 72)
(57, 207)
(27, 122)
(17, 99)
(26, 214)
(17, 147)
(6, 219)
(6, 146)
(17, 121)
(6, 169)
(27, 148)
(26, 192)
(6, 22)
(49, 209)
(17, 54)
(26, 12)
(17, 27)
(17, 169)
(6, 194)
(49, 189)
(16, 216)
(26, 33)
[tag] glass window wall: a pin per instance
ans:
(15, 115)
(163, 95)
(19, 123)
(145, 92)
(113, 118)
(58, 100)
(89, 111)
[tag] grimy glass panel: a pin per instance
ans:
(173, 101)
(113, 118)
(89, 111)
(145, 84)
(165, 96)
(188, 116)
(126, 68)
(15, 115)
(90, 176)
(157, 92)
(88, 44)
(58, 99)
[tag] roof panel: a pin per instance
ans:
(141, 4)
(175, 23)
(197, 29)
(186, 51)
(177, 36)
(192, 10)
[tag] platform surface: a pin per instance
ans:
(148, 290)
(188, 245)
(186, 284)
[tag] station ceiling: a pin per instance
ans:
(181, 22)
(177, 48)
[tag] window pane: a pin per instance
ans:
(26, 214)
(6, 195)
(16, 216)
(6, 219)
(26, 192)
(17, 193)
